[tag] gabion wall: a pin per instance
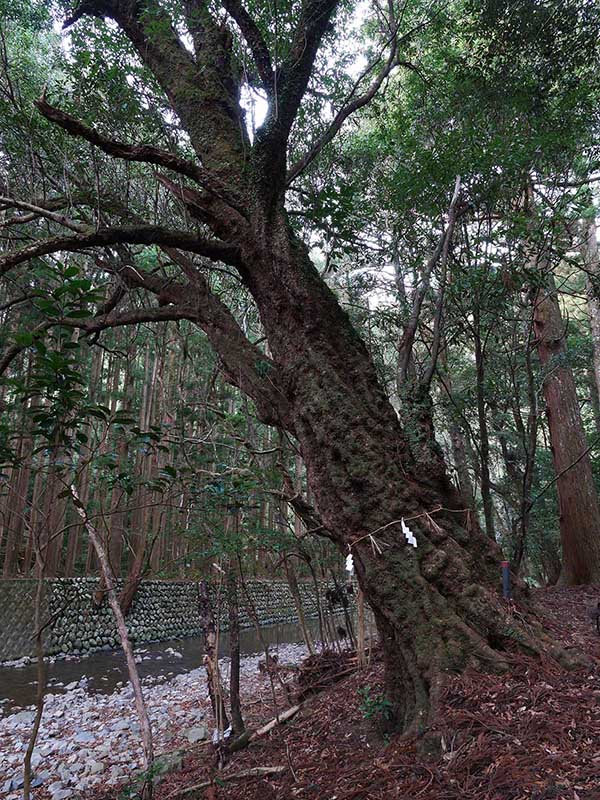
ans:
(160, 610)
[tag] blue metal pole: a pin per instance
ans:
(506, 580)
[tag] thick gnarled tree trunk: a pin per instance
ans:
(437, 606)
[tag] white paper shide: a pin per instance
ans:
(408, 534)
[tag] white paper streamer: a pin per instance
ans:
(349, 563)
(408, 534)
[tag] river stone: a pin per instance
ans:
(83, 737)
(61, 794)
(25, 717)
(56, 788)
(196, 734)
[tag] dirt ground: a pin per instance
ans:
(534, 733)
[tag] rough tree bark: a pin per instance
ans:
(591, 261)
(437, 606)
(579, 510)
(211, 657)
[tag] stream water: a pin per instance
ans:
(105, 671)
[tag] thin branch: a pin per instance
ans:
(136, 685)
(129, 317)
(346, 110)
(440, 252)
(39, 211)
(292, 79)
(17, 300)
(352, 105)
(439, 310)
(14, 350)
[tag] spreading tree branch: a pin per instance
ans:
(440, 253)
(353, 103)
(291, 79)
(40, 211)
(142, 153)
(245, 365)
(255, 41)
(136, 234)
(201, 90)
(295, 72)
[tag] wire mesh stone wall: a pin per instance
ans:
(160, 610)
(17, 614)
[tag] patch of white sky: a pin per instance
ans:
(255, 103)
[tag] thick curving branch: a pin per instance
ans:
(13, 350)
(270, 148)
(244, 363)
(200, 90)
(142, 152)
(295, 72)
(256, 43)
(136, 234)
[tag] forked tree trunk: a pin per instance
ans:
(437, 606)
(579, 511)
(211, 657)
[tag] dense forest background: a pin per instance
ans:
(284, 283)
(437, 215)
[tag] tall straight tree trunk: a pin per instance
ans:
(16, 501)
(118, 515)
(140, 518)
(36, 517)
(458, 443)
(591, 260)
(76, 532)
(484, 438)
(528, 430)
(594, 397)
(579, 510)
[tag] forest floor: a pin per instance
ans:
(532, 734)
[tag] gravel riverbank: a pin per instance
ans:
(90, 739)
